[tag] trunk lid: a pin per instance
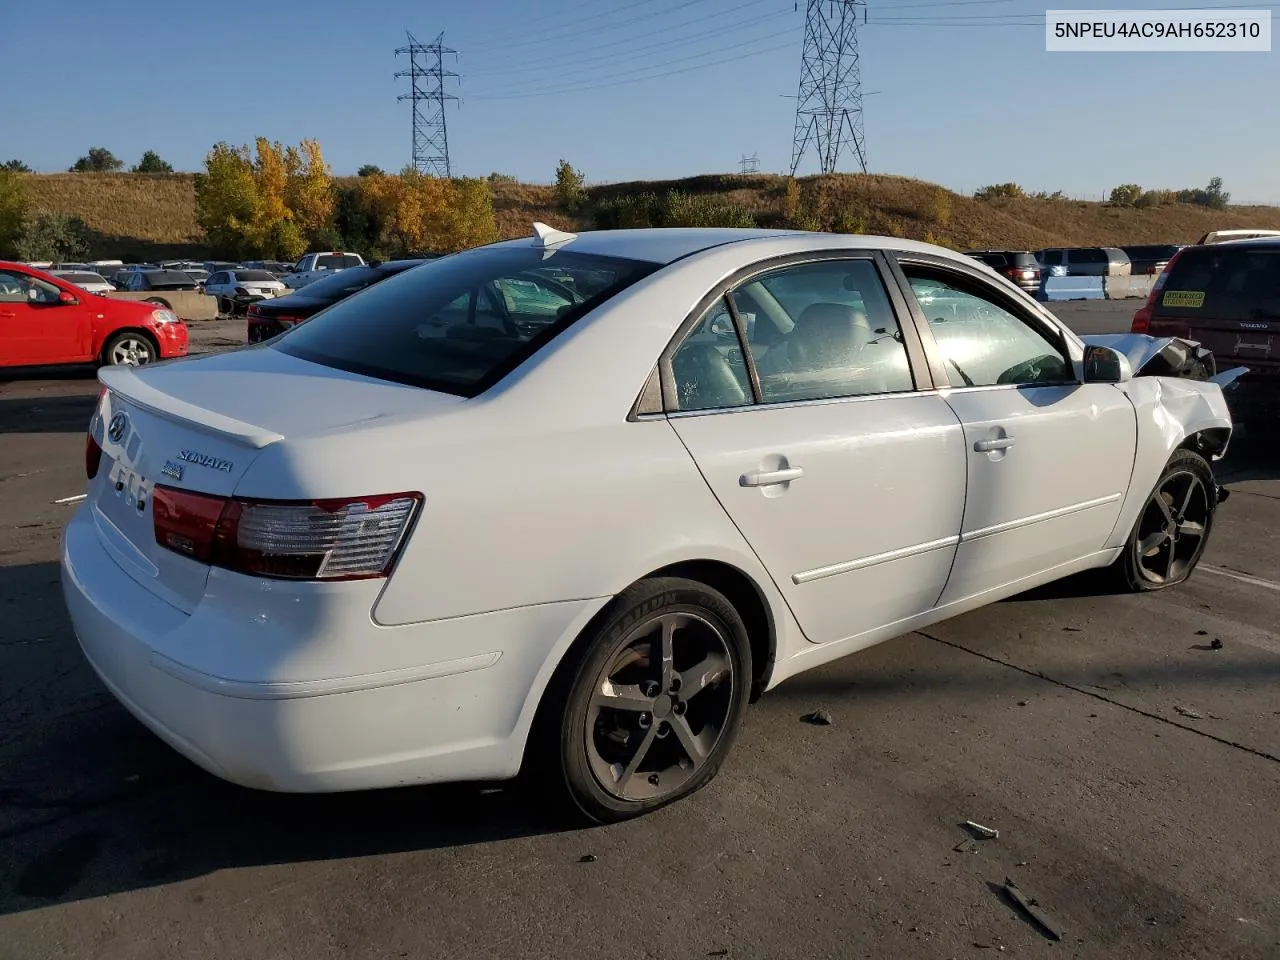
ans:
(198, 425)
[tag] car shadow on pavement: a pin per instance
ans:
(57, 414)
(91, 803)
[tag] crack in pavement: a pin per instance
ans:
(1097, 696)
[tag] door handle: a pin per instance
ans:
(986, 446)
(768, 478)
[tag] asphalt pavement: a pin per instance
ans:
(1130, 763)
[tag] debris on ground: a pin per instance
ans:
(588, 858)
(1022, 703)
(985, 833)
(818, 718)
(1202, 633)
(1071, 629)
(967, 845)
(1031, 909)
(723, 952)
(1189, 713)
(1215, 644)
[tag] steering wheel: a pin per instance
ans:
(1033, 370)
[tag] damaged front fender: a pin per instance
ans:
(1160, 356)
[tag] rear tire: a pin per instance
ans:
(159, 302)
(1170, 534)
(648, 705)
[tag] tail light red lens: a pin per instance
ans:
(92, 456)
(350, 539)
(1142, 319)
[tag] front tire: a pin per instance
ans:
(1171, 532)
(129, 348)
(652, 704)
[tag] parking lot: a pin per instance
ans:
(1127, 749)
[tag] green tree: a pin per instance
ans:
(471, 215)
(227, 198)
(571, 186)
(1000, 191)
(368, 170)
(97, 160)
(15, 166)
(13, 210)
(1126, 195)
(151, 163)
(53, 236)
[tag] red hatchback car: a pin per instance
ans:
(46, 321)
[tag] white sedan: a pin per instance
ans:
(86, 281)
(236, 289)
(566, 505)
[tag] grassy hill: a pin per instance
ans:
(153, 215)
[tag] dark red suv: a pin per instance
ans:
(1227, 297)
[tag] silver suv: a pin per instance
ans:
(1086, 261)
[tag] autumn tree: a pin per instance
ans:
(309, 188)
(13, 210)
(419, 213)
(227, 198)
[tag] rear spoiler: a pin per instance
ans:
(126, 382)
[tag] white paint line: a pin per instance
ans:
(76, 499)
(1242, 577)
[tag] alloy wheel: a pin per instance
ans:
(131, 351)
(1171, 532)
(659, 707)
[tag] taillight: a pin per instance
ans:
(242, 291)
(350, 539)
(1142, 319)
(92, 456)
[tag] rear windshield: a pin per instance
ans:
(337, 261)
(1224, 283)
(78, 278)
(1027, 259)
(461, 323)
(254, 276)
(341, 284)
(168, 278)
(1088, 255)
(992, 259)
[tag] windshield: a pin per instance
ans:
(254, 276)
(168, 277)
(461, 323)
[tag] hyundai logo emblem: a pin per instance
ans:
(116, 428)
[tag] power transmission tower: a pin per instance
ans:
(829, 104)
(749, 164)
(426, 75)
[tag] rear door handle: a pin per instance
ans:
(768, 478)
(986, 446)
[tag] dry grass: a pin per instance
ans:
(155, 214)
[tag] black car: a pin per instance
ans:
(147, 280)
(267, 318)
(1150, 258)
(1020, 266)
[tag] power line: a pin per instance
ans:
(537, 31)
(426, 75)
(657, 76)
(575, 32)
(539, 65)
(829, 102)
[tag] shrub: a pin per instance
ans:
(1156, 198)
(15, 166)
(1000, 191)
(685, 210)
(1043, 195)
(1126, 195)
(53, 236)
(151, 163)
(791, 200)
(368, 170)
(628, 211)
(938, 207)
(502, 180)
(571, 186)
(97, 160)
(849, 222)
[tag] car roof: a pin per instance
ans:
(663, 245)
(1264, 242)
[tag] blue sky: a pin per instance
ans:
(965, 100)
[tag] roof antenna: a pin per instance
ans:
(545, 236)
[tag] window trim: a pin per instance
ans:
(921, 370)
(1053, 331)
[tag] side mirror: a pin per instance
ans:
(1105, 365)
(68, 298)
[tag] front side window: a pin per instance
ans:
(708, 368)
(459, 324)
(13, 287)
(982, 343)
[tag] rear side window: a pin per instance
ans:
(1223, 283)
(461, 323)
(1090, 255)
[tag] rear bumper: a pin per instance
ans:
(1255, 396)
(327, 710)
